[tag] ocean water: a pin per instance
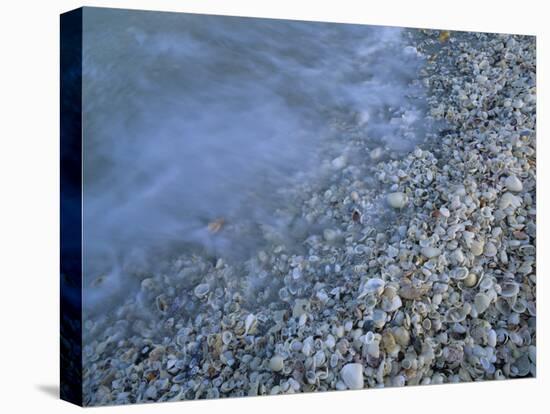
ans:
(191, 119)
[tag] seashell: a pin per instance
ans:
(481, 302)
(227, 337)
(161, 303)
(430, 252)
(307, 346)
(486, 283)
(470, 280)
(503, 306)
(311, 377)
(509, 200)
(410, 291)
(322, 296)
(147, 284)
(527, 250)
(370, 301)
(509, 289)
(376, 153)
(389, 345)
(284, 294)
(296, 345)
(157, 353)
(339, 162)
(342, 346)
(356, 216)
(201, 290)
(151, 392)
(457, 256)
(330, 342)
(180, 378)
(374, 285)
(459, 273)
(334, 360)
(250, 324)
(513, 184)
(402, 336)
(397, 200)
(276, 363)
(456, 314)
(445, 212)
(379, 318)
(486, 212)
(490, 250)
(360, 249)
(319, 358)
(330, 234)
(476, 247)
(352, 376)
(520, 306)
(391, 304)
(372, 345)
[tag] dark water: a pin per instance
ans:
(189, 119)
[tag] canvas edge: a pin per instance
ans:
(71, 206)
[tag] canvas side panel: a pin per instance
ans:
(71, 205)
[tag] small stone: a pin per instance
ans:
(352, 375)
(513, 184)
(276, 363)
(397, 200)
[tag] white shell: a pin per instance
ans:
(430, 252)
(513, 184)
(481, 303)
(509, 200)
(202, 290)
(276, 363)
(396, 200)
(352, 375)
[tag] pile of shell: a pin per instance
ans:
(427, 277)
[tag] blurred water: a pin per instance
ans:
(190, 118)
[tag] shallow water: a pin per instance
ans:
(190, 119)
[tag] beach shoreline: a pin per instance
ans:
(443, 292)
